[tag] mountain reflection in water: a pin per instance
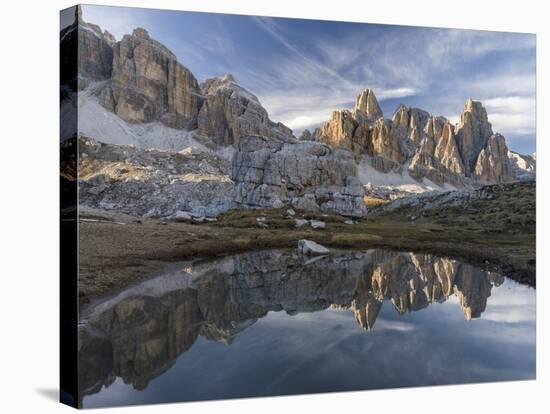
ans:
(140, 334)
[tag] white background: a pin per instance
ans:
(29, 203)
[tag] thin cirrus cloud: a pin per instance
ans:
(302, 70)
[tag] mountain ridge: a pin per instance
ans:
(153, 97)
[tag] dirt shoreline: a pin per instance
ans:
(118, 252)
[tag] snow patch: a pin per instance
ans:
(369, 176)
(102, 125)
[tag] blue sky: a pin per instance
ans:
(301, 70)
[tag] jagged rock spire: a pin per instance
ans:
(472, 133)
(367, 103)
(141, 33)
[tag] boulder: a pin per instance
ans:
(301, 222)
(310, 248)
(316, 224)
(305, 175)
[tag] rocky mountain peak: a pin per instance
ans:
(109, 38)
(141, 33)
(227, 77)
(367, 104)
(401, 117)
(493, 164)
(148, 84)
(230, 112)
(473, 132)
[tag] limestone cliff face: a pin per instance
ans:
(366, 105)
(472, 133)
(430, 145)
(230, 112)
(307, 175)
(149, 84)
(493, 164)
(338, 131)
(144, 82)
(141, 81)
(446, 151)
(364, 131)
(386, 142)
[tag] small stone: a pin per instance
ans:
(349, 222)
(316, 224)
(278, 204)
(263, 225)
(181, 215)
(309, 248)
(290, 212)
(300, 222)
(260, 219)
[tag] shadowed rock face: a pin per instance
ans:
(149, 84)
(144, 82)
(140, 334)
(230, 112)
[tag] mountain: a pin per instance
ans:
(141, 81)
(230, 112)
(423, 145)
(134, 93)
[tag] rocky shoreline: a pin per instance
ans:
(117, 251)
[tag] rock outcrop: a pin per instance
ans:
(366, 105)
(338, 131)
(385, 142)
(149, 84)
(152, 183)
(142, 82)
(364, 131)
(429, 145)
(230, 112)
(472, 133)
(524, 167)
(273, 172)
(311, 248)
(493, 164)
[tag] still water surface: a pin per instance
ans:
(274, 323)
